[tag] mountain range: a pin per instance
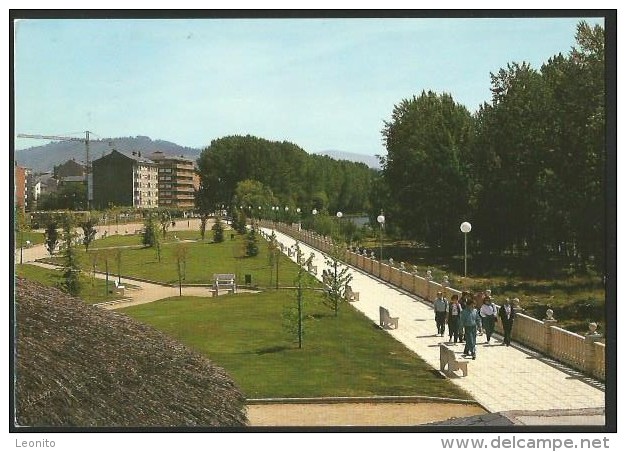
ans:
(43, 158)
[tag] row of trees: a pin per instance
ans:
(252, 172)
(527, 169)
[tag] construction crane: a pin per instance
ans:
(61, 138)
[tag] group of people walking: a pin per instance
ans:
(472, 315)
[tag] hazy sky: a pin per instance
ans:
(320, 83)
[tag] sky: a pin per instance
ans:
(323, 84)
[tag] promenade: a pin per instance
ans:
(501, 378)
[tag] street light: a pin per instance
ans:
(339, 215)
(381, 221)
(465, 228)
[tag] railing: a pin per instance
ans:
(584, 353)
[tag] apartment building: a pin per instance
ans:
(125, 180)
(177, 181)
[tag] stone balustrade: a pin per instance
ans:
(584, 353)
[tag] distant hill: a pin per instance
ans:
(369, 160)
(44, 158)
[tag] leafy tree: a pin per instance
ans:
(51, 236)
(203, 221)
(151, 236)
(68, 196)
(337, 278)
(89, 231)
(423, 168)
(252, 246)
(218, 231)
(165, 219)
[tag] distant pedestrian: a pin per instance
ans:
(470, 319)
(441, 308)
(488, 317)
(463, 303)
(454, 314)
(507, 315)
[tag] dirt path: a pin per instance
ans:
(357, 414)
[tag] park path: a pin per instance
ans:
(500, 379)
(142, 291)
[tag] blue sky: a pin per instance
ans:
(320, 83)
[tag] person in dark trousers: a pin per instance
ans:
(441, 309)
(488, 316)
(507, 315)
(463, 302)
(470, 319)
(454, 314)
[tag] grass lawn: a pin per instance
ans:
(35, 238)
(93, 290)
(539, 284)
(203, 260)
(346, 355)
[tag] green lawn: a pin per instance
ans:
(93, 290)
(35, 238)
(203, 260)
(346, 355)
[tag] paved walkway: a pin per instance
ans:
(501, 378)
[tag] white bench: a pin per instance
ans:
(386, 321)
(118, 290)
(224, 280)
(448, 360)
(351, 295)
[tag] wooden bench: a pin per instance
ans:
(351, 295)
(449, 362)
(386, 321)
(224, 280)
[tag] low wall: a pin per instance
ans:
(584, 353)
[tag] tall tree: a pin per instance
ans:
(89, 231)
(423, 168)
(70, 276)
(51, 236)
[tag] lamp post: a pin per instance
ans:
(339, 215)
(298, 211)
(381, 221)
(465, 228)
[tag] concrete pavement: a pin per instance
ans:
(502, 379)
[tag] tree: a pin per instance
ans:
(165, 219)
(51, 236)
(89, 232)
(293, 317)
(337, 279)
(70, 281)
(218, 231)
(181, 265)
(273, 253)
(151, 236)
(252, 246)
(424, 170)
(203, 221)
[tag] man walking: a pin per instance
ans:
(507, 315)
(470, 319)
(441, 309)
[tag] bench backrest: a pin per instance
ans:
(384, 313)
(223, 277)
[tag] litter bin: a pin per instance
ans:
(248, 279)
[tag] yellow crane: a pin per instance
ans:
(62, 138)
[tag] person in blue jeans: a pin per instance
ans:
(470, 319)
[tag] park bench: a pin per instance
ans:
(386, 321)
(351, 295)
(223, 280)
(118, 289)
(449, 360)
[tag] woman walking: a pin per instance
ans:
(488, 317)
(454, 314)
(507, 315)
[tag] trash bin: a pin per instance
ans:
(248, 279)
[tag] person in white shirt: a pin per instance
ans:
(488, 317)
